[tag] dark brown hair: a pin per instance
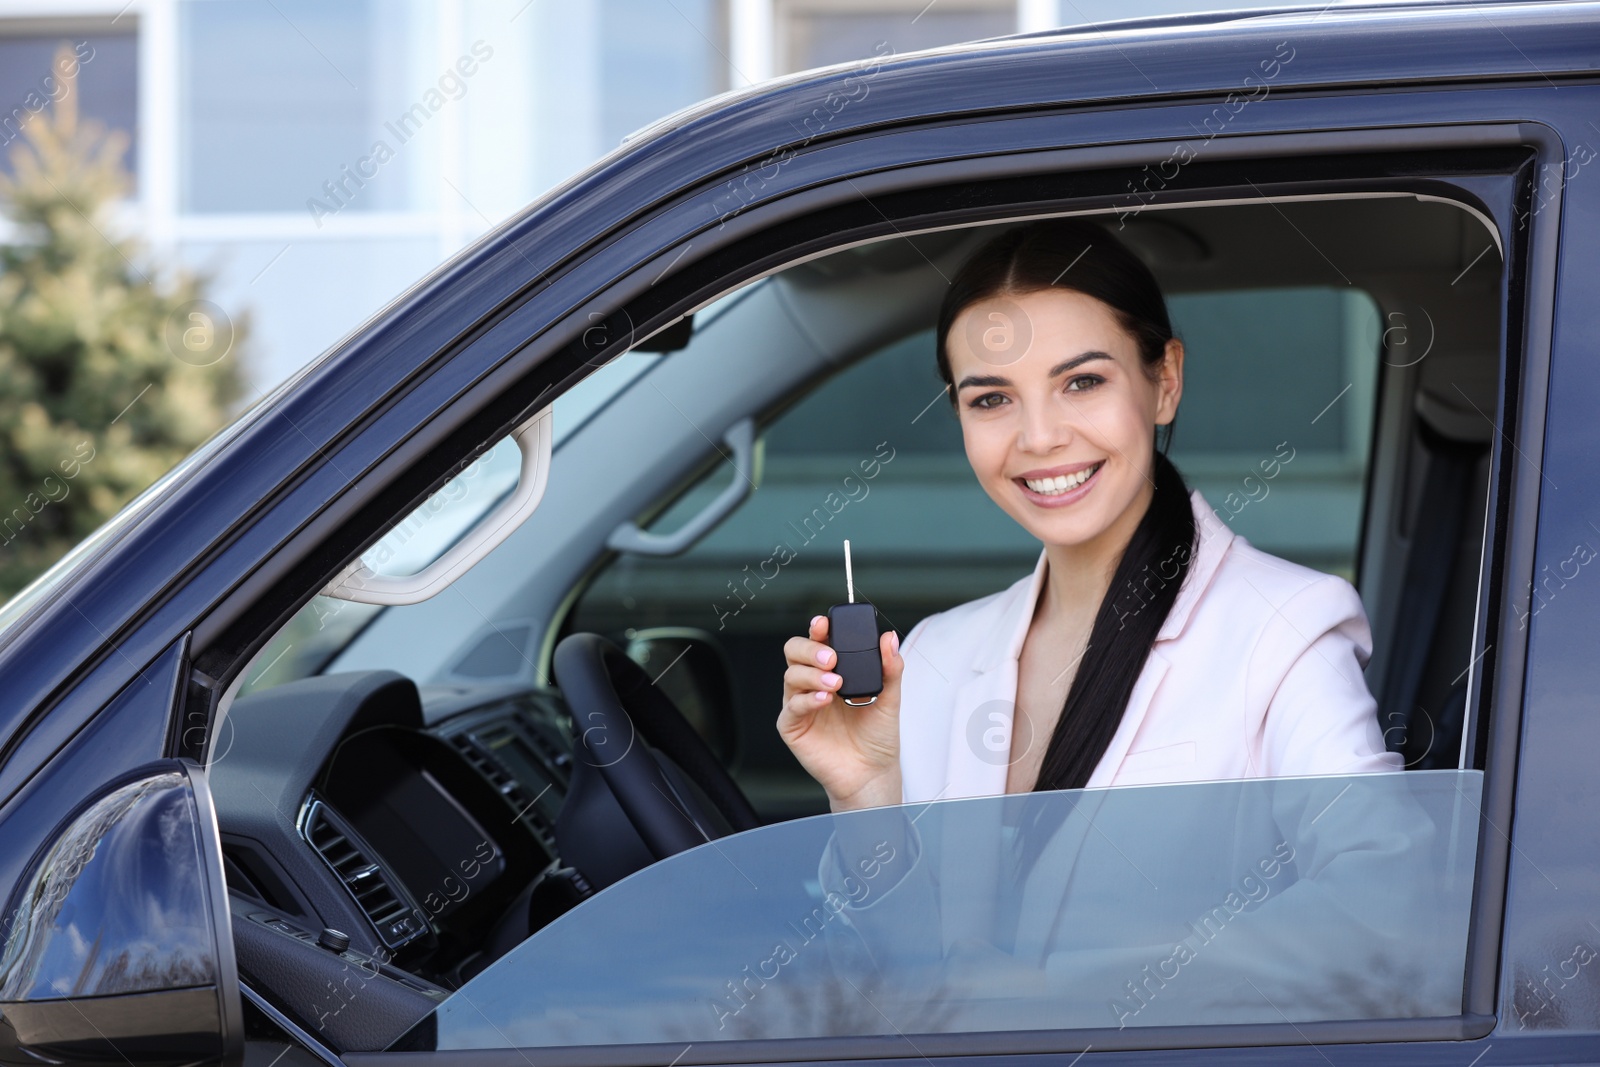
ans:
(1083, 257)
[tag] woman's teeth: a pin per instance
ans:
(1060, 483)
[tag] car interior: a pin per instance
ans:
(400, 784)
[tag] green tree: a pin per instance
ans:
(111, 369)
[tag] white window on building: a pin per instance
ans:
(42, 60)
(816, 33)
(299, 99)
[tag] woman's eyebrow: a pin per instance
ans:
(1077, 361)
(1060, 368)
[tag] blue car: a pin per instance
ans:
(425, 714)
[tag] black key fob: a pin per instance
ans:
(853, 635)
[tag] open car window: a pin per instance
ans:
(1262, 901)
(1295, 394)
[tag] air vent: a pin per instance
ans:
(239, 879)
(519, 799)
(395, 921)
(559, 758)
(490, 769)
(552, 741)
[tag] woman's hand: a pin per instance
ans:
(854, 752)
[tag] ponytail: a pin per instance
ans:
(1142, 591)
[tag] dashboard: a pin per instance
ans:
(387, 842)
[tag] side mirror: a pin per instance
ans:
(691, 667)
(117, 943)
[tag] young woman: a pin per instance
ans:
(1150, 644)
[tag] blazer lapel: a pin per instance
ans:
(1046, 891)
(981, 713)
(979, 749)
(1144, 691)
(980, 733)
(979, 753)
(1212, 538)
(1045, 895)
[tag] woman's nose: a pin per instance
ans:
(1044, 428)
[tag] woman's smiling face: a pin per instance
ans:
(1058, 412)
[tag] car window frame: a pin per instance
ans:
(1513, 498)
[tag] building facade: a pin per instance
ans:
(316, 157)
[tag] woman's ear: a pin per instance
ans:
(1169, 384)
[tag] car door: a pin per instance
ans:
(603, 981)
(116, 924)
(903, 179)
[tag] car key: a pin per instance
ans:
(853, 633)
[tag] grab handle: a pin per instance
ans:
(359, 583)
(628, 537)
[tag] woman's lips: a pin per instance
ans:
(1065, 468)
(1059, 500)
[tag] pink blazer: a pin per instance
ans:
(1257, 672)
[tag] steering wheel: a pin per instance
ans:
(616, 711)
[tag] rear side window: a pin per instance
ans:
(1278, 399)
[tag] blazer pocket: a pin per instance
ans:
(1150, 759)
